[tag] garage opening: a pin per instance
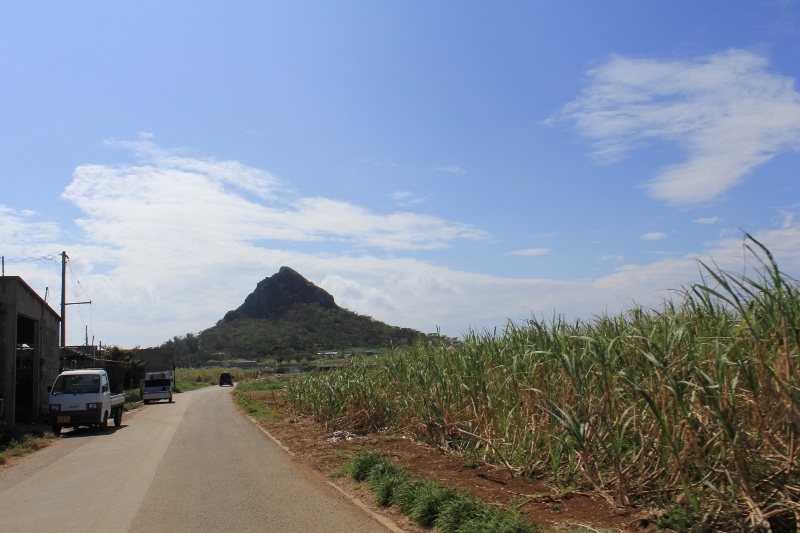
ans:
(24, 396)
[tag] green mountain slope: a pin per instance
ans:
(286, 317)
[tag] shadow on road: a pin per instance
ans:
(90, 432)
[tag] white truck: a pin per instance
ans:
(84, 398)
(158, 386)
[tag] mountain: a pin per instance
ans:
(275, 296)
(287, 317)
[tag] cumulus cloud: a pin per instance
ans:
(727, 111)
(653, 236)
(532, 252)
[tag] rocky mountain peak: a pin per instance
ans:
(276, 294)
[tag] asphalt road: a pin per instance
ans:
(193, 465)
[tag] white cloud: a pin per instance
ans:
(399, 196)
(406, 198)
(452, 169)
(653, 236)
(709, 220)
(16, 230)
(376, 163)
(168, 250)
(177, 202)
(532, 252)
(725, 110)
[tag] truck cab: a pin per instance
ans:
(83, 398)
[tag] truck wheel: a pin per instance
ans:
(118, 417)
(145, 402)
(56, 429)
(104, 424)
(170, 398)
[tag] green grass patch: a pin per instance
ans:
(133, 399)
(186, 386)
(133, 395)
(251, 402)
(14, 443)
(188, 379)
(428, 503)
(260, 385)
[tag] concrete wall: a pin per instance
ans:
(18, 299)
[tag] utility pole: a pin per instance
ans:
(63, 299)
(64, 303)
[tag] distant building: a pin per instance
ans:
(29, 330)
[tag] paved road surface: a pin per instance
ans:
(193, 465)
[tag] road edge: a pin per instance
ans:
(385, 522)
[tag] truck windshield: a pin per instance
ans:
(77, 384)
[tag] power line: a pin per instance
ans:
(53, 258)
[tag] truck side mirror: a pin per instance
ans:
(105, 388)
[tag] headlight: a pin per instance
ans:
(91, 406)
(54, 407)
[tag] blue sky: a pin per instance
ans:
(445, 165)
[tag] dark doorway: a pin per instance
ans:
(23, 399)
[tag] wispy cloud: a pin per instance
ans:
(532, 252)
(611, 257)
(653, 236)
(725, 110)
(406, 198)
(178, 201)
(708, 220)
(364, 161)
(19, 228)
(452, 169)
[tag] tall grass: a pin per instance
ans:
(693, 406)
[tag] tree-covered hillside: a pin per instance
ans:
(286, 317)
(304, 330)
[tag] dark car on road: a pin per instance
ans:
(225, 379)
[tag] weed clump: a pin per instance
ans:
(428, 503)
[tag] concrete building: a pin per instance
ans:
(29, 330)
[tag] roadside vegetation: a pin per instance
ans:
(429, 503)
(690, 411)
(187, 379)
(133, 399)
(251, 395)
(15, 443)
